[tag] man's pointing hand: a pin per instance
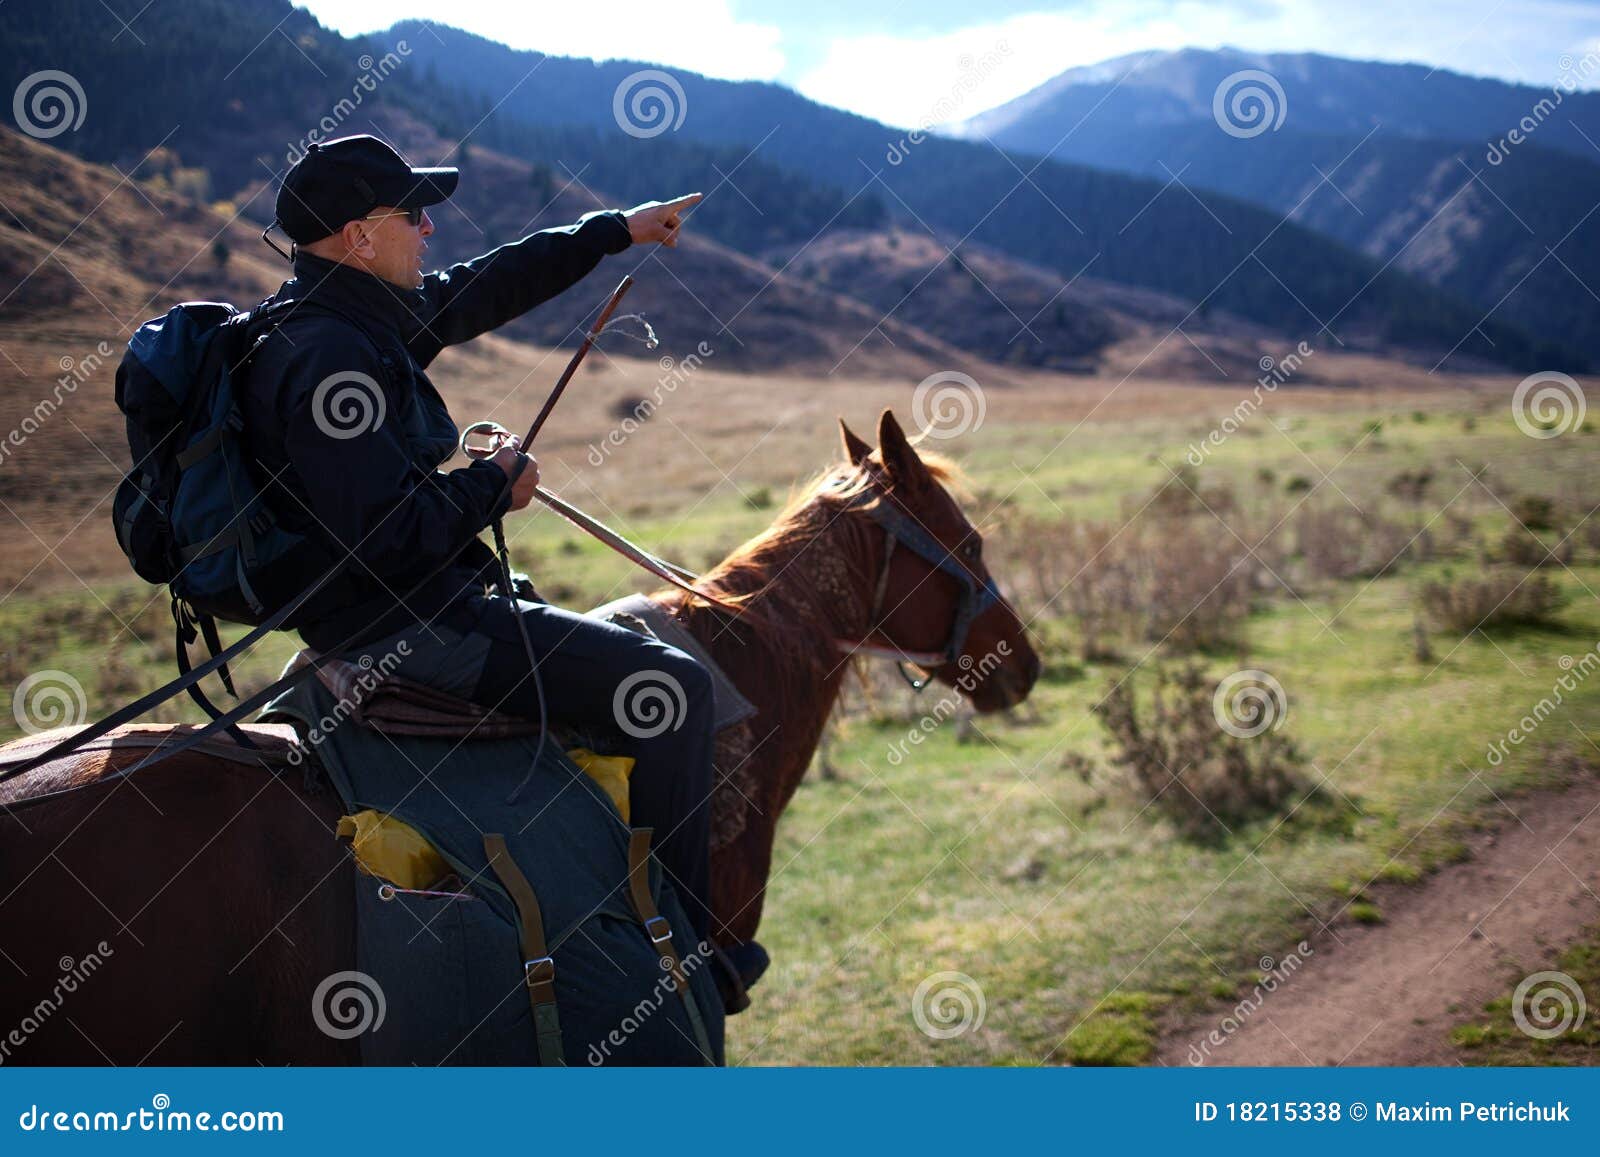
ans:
(659, 220)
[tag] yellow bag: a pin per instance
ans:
(393, 850)
(609, 771)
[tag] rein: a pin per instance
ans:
(898, 528)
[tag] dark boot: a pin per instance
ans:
(738, 967)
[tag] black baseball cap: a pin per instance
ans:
(340, 180)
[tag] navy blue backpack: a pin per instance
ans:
(189, 514)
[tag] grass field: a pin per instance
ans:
(1074, 913)
(1564, 1029)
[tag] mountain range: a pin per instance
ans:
(826, 236)
(1417, 168)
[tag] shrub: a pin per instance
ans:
(1411, 485)
(634, 406)
(1192, 584)
(1502, 598)
(1182, 763)
(1186, 582)
(1184, 495)
(1534, 511)
(1337, 542)
(1525, 549)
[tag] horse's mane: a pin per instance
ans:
(795, 617)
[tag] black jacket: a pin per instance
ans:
(356, 489)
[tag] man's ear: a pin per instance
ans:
(357, 241)
(899, 459)
(855, 450)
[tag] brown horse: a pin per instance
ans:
(186, 914)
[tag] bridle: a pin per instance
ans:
(900, 528)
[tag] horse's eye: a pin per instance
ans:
(972, 550)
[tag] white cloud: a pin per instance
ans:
(903, 79)
(699, 35)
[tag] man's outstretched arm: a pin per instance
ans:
(476, 296)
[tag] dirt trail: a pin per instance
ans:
(1454, 939)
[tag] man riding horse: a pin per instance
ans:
(367, 324)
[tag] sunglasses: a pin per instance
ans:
(412, 216)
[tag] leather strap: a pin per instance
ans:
(537, 967)
(660, 932)
(667, 572)
(186, 622)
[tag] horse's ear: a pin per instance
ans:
(855, 450)
(899, 459)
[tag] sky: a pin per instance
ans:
(900, 60)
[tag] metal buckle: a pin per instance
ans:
(539, 971)
(665, 932)
(912, 681)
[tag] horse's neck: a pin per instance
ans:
(793, 677)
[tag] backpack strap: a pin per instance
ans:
(660, 932)
(183, 743)
(228, 719)
(537, 966)
(185, 618)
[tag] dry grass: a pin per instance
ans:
(1182, 763)
(1504, 598)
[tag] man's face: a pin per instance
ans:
(397, 245)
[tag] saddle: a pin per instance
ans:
(396, 705)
